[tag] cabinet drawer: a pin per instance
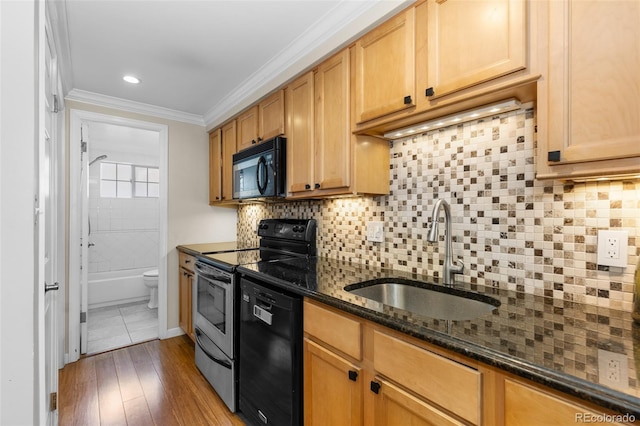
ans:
(447, 383)
(186, 261)
(334, 329)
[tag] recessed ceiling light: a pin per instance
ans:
(131, 79)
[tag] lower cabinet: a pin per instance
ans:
(185, 294)
(333, 388)
(357, 372)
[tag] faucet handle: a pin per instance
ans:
(459, 267)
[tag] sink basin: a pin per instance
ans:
(430, 300)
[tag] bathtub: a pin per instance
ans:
(116, 287)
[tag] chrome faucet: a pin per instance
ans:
(449, 268)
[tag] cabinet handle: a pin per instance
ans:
(407, 100)
(553, 156)
(259, 139)
(253, 141)
(353, 375)
(317, 186)
(429, 92)
(187, 261)
(307, 186)
(375, 387)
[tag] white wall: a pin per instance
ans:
(191, 219)
(18, 389)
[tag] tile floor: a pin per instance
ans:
(117, 326)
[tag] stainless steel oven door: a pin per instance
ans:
(214, 307)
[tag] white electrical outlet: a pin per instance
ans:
(612, 248)
(613, 369)
(375, 231)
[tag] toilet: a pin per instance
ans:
(150, 279)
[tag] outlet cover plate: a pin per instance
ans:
(375, 231)
(612, 248)
(613, 369)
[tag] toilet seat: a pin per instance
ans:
(153, 273)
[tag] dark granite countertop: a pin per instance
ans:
(550, 341)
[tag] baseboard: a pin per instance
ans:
(173, 332)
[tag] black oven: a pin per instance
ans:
(260, 171)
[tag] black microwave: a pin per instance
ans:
(260, 171)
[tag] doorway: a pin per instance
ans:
(118, 227)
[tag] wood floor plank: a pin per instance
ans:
(127, 377)
(137, 412)
(156, 382)
(109, 396)
(160, 406)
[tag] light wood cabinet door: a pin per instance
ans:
(590, 106)
(527, 406)
(471, 41)
(228, 134)
(332, 388)
(385, 68)
(271, 116)
(215, 166)
(300, 143)
(185, 301)
(332, 131)
(247, 123)
(394, 406)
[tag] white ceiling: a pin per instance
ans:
(199, 61)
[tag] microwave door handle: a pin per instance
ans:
(262, 169)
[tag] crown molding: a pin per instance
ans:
(335, 30)
(132, 106)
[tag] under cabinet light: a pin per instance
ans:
(461, 117)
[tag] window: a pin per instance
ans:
(120, 180)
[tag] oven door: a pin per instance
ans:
(214, 307)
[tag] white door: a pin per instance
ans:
(84, 237)
(46, 224)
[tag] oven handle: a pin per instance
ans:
(223, 363)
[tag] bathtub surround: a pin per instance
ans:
(511, 230)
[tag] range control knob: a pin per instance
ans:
(263, 226)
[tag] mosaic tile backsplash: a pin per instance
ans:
(510, 230)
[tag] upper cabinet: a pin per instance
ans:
(324, 158)
(441, 57)
(222, 146)
(589, 105)
(385, 68)
(262, 121)
(215, 166)
(300, 154)
(470, 42)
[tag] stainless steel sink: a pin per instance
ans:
(426, 299)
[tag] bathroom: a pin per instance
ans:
(123, 243)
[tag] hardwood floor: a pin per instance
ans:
(152, 383)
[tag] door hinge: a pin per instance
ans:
(53, 401)
(83, 317)
(83, 147)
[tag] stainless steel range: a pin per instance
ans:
(216, 298)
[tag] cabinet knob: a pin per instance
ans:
(259, 139)
(375, 387)
(407, 100)
(307, 186)
(429, 92)
(353, 375)
(553, 156)
(253, 141)
(317, 186)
